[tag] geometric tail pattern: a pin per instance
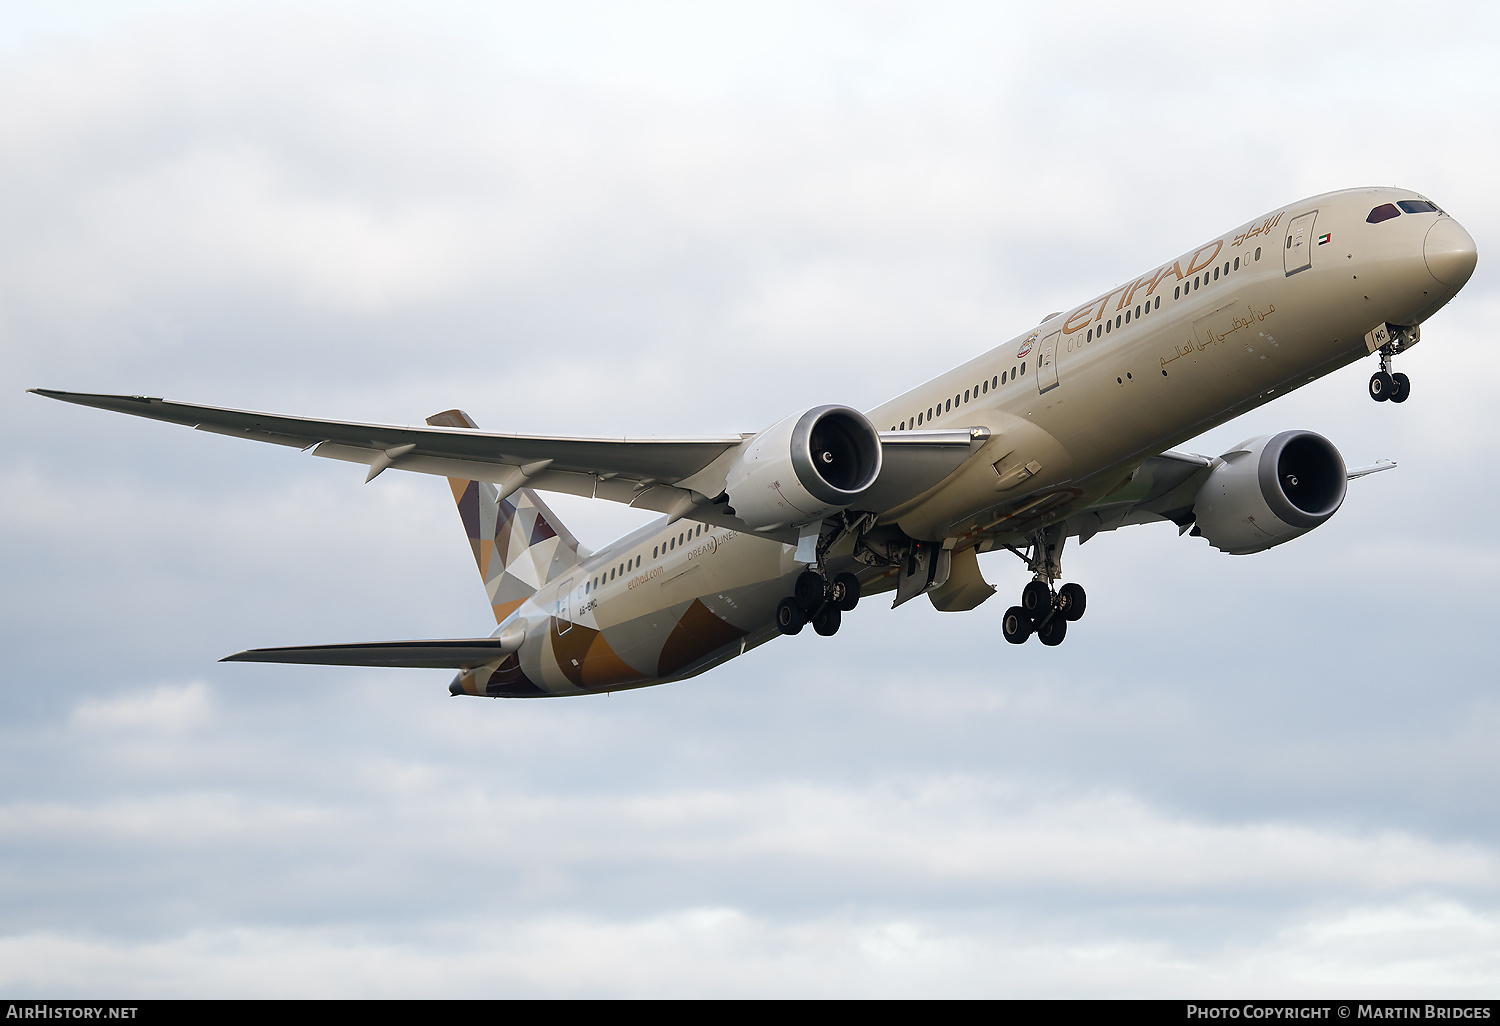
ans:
(518, 543)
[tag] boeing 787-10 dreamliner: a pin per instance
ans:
(1064, 431)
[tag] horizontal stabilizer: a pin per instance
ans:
(456, 654)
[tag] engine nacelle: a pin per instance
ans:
(1270, 490)
(805, 467)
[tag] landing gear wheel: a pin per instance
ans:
(810, 591)
(1400, 388)
(1016, 626)
(1381, 386)
(1053, 631)
(827, 621)
(1071, 601)
(789, 618)
(844, 591)
(1036, 599)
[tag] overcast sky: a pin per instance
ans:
(1263, 775)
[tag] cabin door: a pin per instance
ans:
(1298, 248)
(565, 607)
(1046, 362)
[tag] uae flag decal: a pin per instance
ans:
(1324, 238)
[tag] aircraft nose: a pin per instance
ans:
(1450, 252)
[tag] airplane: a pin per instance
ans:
(1065, 431)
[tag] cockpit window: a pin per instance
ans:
(1417, 207)
(1384, 212)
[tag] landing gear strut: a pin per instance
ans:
(1385, 385)
(1043, 611)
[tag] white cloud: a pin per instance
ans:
(163, 710)
(1376, 951)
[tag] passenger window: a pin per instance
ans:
(653, 552)
(1417, 207)
(1023, 366)
(1138, 313)
(1384, 212)
(1236, 263)
(1216, 274)
(1257, 252)
(1117, 320)
(1226, 267)
(986, 385)
(1106, 327)
(997, 381)
(1158, 302)
(1127, 316)
(1177, 292)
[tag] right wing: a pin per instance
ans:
(1164, 489)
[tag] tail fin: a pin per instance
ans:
(519, 544)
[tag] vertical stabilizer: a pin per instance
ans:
(519, 544)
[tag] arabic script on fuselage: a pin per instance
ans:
(1238, 320)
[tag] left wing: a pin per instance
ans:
(677, 476)
(458, 654)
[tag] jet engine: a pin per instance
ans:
(803, 468)
(1270, 490)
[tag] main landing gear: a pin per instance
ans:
(817, 600)
(1044, 613)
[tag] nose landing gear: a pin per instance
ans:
(1390, 340)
